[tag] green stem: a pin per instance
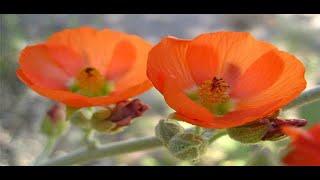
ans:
(198, 130)
(88, 135)
(85, 155)
(89, 139)
(47, 150)
(217, 136)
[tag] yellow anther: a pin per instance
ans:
(90, 82)
(213, 95)
(214, 91)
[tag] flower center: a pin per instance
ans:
(90, 82)
(214, 91)
(214, 95)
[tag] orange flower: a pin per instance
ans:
(224, 79)
(305, 146)
(84, 67)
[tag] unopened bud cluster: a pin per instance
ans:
(181, 144)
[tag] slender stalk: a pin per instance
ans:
(217, 136)
(51, 141)
(85, 155)
(89, 139)
(198, 130)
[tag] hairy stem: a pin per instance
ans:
(85, 154)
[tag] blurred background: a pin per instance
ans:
(22, 110)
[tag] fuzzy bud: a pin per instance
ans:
(166, 129)
(99, 120)
(81, 118)
(54, 124)
(250, 133)
(265, 129)
(187, 146)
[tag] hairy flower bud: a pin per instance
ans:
(166, 129)
(187, 146)
(265, 129)
(54, 124)
(81, 118)
(99, 120)
(250, 133)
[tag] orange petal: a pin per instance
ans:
(121, 95)
(287, 87)
(293, 132)
(305, 146)
(95, 46)
(184, 106)
(202, 59)
(302, 156)
(224, 54)
(121, 57)
(240, 117)
(136, 74)
(262, 74)
(308, 139)
(232, 119)
(39, 64)
(196, 114)
(167, 61)
(71, 62)
(315, 133)
(124, 57)
(77, 100)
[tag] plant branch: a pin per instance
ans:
(51, 141)
(85, 154)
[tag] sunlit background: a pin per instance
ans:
(22, 110)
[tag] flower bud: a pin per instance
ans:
(266, 129)
(99, 120)
(81, 118)
(275, 133)
(166, 129)
(54, 124)
(119, 117)
(69, 112)
(187, 146)
(250, 133)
